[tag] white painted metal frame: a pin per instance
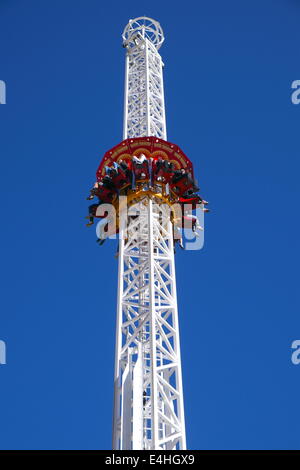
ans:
(144, 107)
(148, 394)
(148, 407)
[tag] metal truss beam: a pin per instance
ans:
(144, 107)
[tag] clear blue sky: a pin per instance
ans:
(229, 68)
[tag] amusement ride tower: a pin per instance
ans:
(143, 178)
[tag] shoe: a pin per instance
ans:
(89, 224)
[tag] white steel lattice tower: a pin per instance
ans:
(148, 394)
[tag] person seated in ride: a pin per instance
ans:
(178, 175)
(163, 170)
(126, 166)
(93, 191)
(108, 182)
(140, 167)
(117, 175)
(182, 181)
(105, 189)
(106, 194)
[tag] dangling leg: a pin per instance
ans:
(92, 210)
(150, 173)
(133, 179)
